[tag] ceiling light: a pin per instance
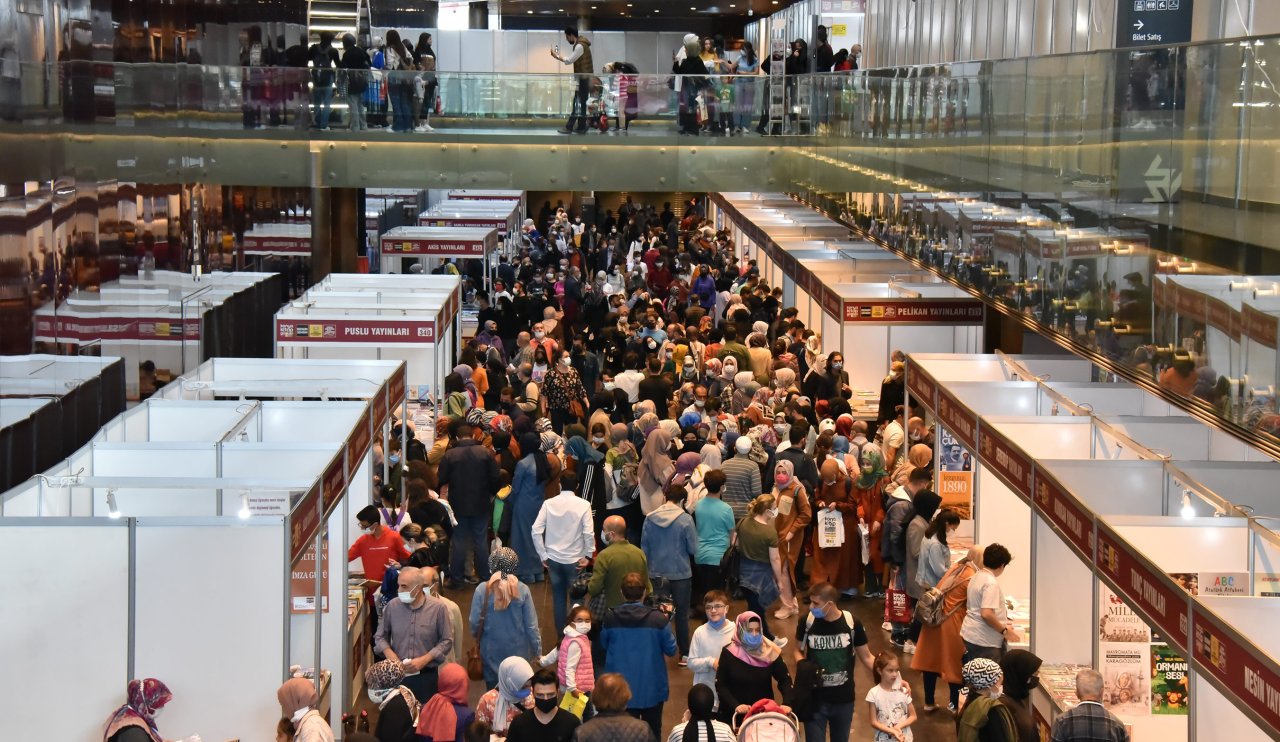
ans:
(112, 510)
(244, 506)
(1188, 512)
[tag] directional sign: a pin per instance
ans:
(1152, 22)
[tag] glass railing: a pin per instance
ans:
(147, 98)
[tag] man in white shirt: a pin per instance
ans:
(986, 630)
(893, 436)
(629, 380)
(564, 536)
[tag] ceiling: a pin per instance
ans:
(647, 9)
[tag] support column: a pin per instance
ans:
(321, 237)
(337, 231)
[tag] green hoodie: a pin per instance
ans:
(986, 719)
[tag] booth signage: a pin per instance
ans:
(302, 581)
(397, 389)
(355, 331)
(1223, 318)
(82, 329)
(380, 408)
(1152, 22)
(830, 302)
(843, 6)
(1247, 674)
(921, 385)
(1159, 288)
(1190, 302)
(1005, 460)
(361, 437)
(303, 524)
(462, 221)
(1261, 326)
(1148, 590)
(300, 246)
(957, 418)
(448, 248)
(903, 312)
(334, 483)
(1065, 514)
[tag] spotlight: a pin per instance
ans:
(244, 506)
(112, 510)
(1188, 512)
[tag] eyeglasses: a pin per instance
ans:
(715, 606)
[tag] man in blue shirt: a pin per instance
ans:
(635, 638)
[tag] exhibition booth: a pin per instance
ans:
(384, 322)
(171, 320)
(437, 244)
(52, 405)
(501, 215)
(279, 240)
(222, 494)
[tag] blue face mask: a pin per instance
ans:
(717, 625)
(394, 458)
(753, 640)
(817, 612)
(523, 693)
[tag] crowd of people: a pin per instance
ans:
(392, 83)
(640, 422)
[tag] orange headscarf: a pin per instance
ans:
(439, 720)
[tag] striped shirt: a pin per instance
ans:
(1088, 722)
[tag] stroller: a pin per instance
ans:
(765, 722)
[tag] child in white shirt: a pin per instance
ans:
(889, 702)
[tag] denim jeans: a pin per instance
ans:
(401, 105)
(974, 651)
(753, 604)
(561, 578)
(355, 109)
(651, 716)
(681, 592)
(838, 715)
(471, 532)
(578, 114)
(322, 97)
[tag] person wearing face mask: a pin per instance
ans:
(919, 433)
(983, 715)
(398, 708)
(548, 722)
(634, 638)
(503, 617)
(837, 642)
(561, 389)
(1021, 674)
(135, 721)
(415, 632)
(615, 561)
(509, 698)
(445, 717)
(377, 548)
(669, 540)
(564, 538)
(793, 518)
(574, 665)
(749, 667)
(298, 702)
(710, 638)
(760, 568)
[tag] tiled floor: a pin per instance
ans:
(936, 726)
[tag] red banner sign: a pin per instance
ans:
(923, 311)
(396, 388)
(300, 246)
(419, 246)
(334, 483)
(304, 521)
(1005, 460)
(921, 386)
(830, 302)
(355, 331)
(1065, 514)
(1249, 676)
(1224, 318)
(1147, 589)
(52, 329)
(361, 437)
(958, 419)
(380, 409)
(1159, 289)
(1190, 302)
(1260, 326)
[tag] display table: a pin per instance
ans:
(358, 608)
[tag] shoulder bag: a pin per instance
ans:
(475, 664)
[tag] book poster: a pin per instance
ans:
(1170, 692)
(1213, 583)
(1126, 675)
(1266, 585)
(1117, 622)
(955, 474)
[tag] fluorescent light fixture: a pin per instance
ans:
(244, 506)
(112, 510)
(1188, 512)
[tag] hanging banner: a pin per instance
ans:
(67, 329)
(958, 418)
(304, 521)
(1005, 460)
(302, 581)
(1152, 593)
(955, 474)
(1069, 518)
(914, 312)
(1247, 674)
(353, 331)
(921, 386)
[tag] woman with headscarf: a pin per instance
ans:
(728, 374)
(918, 456)
(784, 385)
(1021, 674)
(841, 566)
(750, 665)
(552, 447)
(713, 379)
(466, 373)
(588, 465)
(621, 452)
(445, 716)
(761, 357)
(298, 702)
(397, 706)
(682, 475)
(525, 500)
(655, 469)
(868, 491)
(984, 717)
(503, 616)
(745, 388)
(819, 384)
(135, 721)
(511, 696)
(457, 402)
(793, 517)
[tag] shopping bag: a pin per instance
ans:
(830, 529)
(897, 605)
(865, 536)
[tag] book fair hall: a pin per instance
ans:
(635, 371)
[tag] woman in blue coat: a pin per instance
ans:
(510, 621)
(525, 500)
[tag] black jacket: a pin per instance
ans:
(471, 474)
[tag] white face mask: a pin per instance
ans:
(608, 386)
(597, 439)
(582, 627)
(539, 334)
(378, 696)
(772, 512)
(297, 715)
(699, 403)
(405, 597)
(367, 531)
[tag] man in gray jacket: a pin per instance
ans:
(669, 540)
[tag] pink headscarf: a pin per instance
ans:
(765, 654)
(144, 698)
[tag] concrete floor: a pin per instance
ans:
(938, 725)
